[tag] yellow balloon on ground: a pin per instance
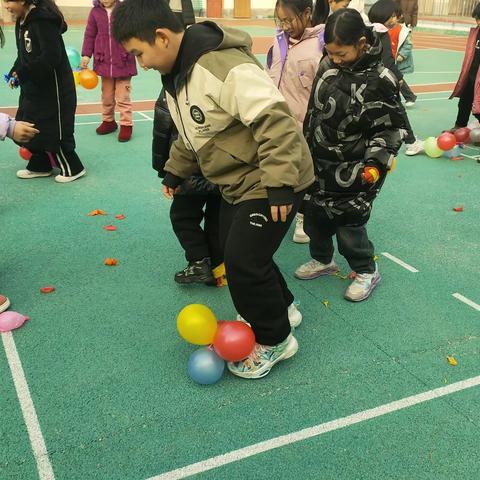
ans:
(393, 166)
(431, 148)
(75, 77)
(197, 324)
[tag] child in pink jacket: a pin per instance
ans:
(293, 60)
(114, 64)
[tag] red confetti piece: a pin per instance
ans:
(458, 209)
(97, 212)
(352, 275)
(111, 262)
(120, 217)
(47, 289)
(110, 228)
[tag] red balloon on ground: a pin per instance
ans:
(25, 153)
(446, 141)
(462, 135)
(234, 341)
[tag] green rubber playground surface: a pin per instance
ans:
(106, 369)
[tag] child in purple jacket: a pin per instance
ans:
(114, 64)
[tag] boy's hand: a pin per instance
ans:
(283, 210)
(169, 191)
(24, 131)
(84, 62)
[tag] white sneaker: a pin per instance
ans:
(263, 358)
(294, 316)
(410, 104)
(414, 148)
(30, 174)
(314, 269)
(299, 236)
(362, 286)
(65, 179)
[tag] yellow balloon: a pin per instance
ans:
(394, 166)
(197, 324)
(75, 77)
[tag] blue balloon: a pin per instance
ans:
(453, 153)
(73, 57)
(205, 366)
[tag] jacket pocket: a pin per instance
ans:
(237, 141)
(305, 73)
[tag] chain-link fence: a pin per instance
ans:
(459, 8)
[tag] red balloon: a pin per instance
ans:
(446, 141)
(25, 153)
(462, 135)
(234, 341)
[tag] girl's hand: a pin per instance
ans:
(84, 62)
(400, 58)
(24, 131)
(13, 81)
(284, 210)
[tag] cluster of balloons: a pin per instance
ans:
(86, 78)
(449, 144)
(230, 341)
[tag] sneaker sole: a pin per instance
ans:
(70, 179)
(369, 291)
(204, 279)
(298, 239)
(327, 271)
(5, 306)
(37, 175)
(290, 351)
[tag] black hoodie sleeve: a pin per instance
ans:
(46, 52)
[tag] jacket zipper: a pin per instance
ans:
(110, 45)
(183, 125)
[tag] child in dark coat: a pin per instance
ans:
(48, 98)
(354, 129)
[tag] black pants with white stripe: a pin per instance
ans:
(259, 292)
(66, 159)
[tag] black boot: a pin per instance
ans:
(196, 272)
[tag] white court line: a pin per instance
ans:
(466, 300)
(242, 453)
(400, 262)
(95, 123)
(44, 467)
(145, 115)
(469, 156)
(430, 99)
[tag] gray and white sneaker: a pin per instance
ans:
(362, 286)
(299, 235)
(263, 358)
(414, 148)
(314, 269)
(294, 316)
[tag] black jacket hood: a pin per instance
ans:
(44, 14)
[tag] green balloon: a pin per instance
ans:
(73, 57)
(431, 148)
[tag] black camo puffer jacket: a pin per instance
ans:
(354, 119)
